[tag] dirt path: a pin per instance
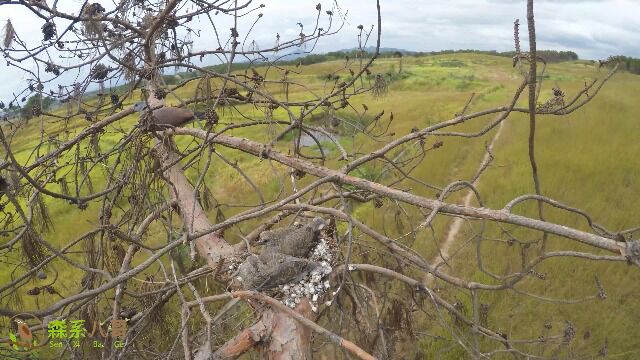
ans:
(456, 224)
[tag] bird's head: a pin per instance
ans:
(317, 224)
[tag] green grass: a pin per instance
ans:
(587, 159)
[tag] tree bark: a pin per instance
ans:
(288, 340)
(502, 215)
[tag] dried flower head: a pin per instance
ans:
(52, 68)
(160, 93)
(93, 26)
(99, 72)
(49, 30)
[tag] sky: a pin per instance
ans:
(594, 29)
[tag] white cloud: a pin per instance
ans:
(592, 28)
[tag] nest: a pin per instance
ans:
(314, 284)
(293, 265)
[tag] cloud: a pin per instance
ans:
(592, 28)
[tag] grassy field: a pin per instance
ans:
(587, 159)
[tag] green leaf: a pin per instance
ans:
(13, 337)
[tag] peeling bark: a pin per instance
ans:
(282, 337)
(211, 247)
(289, 340)
(241, 343)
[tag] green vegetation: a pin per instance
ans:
(629, 64)
(587, 159)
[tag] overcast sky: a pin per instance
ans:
(592, 28)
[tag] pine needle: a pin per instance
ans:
(8, 35)
(41, 214)
(33, 252)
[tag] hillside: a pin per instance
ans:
(586, 159)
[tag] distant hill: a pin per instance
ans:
(372, 49)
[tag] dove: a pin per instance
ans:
(167, 116)
(268, 270)
(295, 242)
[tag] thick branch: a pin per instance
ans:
(503, 216)
(211, 247)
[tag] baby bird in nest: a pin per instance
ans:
(296, 242)
(283, 258)
(268, 270)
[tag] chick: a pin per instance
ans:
(295, 242)
(268, 270)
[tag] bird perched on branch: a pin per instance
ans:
(292, 241)
(167, 117)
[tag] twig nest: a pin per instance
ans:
(293, 264)
(314, 284)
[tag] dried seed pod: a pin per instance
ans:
(171, 22)
(36, 110)
(52, 68)
(484, 315)
(4, 185)
(602, 294)
(377, 203)
(604, 351)
(211, 116)
(299, 174)
(99, 72)
(49, 30)
(35, 291)
(160, 93)
(380, 86)
(95, 9)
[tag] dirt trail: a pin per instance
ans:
(456, 224)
